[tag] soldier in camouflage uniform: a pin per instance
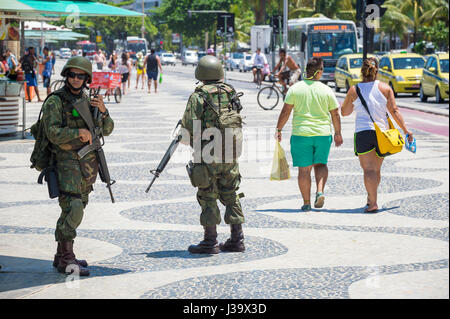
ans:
(67, 133)
(220, 179)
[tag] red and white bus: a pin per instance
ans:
(88, 47)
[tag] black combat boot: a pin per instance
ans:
(68, 259)
(209, 244)
(82, 263)
(236, 242)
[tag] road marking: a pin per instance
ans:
(427, 121)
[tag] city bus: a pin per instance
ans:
(321, 37)
(88, 47)
(134, 45)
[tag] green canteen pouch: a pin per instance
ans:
(198, 174)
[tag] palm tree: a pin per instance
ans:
(435, 10)
(394, 22)
(243, 21)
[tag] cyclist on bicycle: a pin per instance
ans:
(258, 62)
(289, 71)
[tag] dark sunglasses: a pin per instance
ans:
(79, 76)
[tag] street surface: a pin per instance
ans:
(137, 247)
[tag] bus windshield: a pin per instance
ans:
(408, 63)
(331, 44)
(136, 46)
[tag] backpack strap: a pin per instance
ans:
(206, 102)
(363, 101)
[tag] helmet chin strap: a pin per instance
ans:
(78, 90)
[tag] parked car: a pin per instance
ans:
(348, 71)
(201, 54)
(189, 57)
(66, 53)
(245, 64)
(434, 80)
(402, 71)
(232, 61)
(167, 59)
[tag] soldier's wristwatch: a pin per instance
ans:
(104, 114)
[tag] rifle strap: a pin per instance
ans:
(83, 108)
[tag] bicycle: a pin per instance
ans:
(258, 68)
(269, 96)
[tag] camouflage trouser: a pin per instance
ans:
(73, 200)
(72, 211)
(224, 183)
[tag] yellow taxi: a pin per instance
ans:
(434, 80)
(348, 71)
(402, 71)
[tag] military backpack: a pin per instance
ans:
(222, 109)
(41, 156)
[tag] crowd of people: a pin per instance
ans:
(147, 68)
(28, 63)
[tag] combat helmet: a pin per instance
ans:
(209, 68)
(78, 62)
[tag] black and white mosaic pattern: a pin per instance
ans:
(143, 124)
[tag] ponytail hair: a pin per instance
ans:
(369, 69)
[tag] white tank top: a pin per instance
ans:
(376, 103)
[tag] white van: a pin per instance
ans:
(65, 53)
(189, 57)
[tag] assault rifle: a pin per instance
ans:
(96, 145)
(166, 158)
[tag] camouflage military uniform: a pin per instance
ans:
(75, 176)
(224, 177)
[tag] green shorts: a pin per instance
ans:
(309, 150)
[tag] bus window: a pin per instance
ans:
(294, 40)
(331, 45)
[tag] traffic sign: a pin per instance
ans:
(276, 22)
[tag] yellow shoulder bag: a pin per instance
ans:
(389, 141)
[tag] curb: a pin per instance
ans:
(426, 109)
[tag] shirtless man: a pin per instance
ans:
(288, 69)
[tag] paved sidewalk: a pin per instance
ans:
(137, 247)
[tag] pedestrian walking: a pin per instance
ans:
(100, 60)
(124, 68)
(13, 65)
(380, 99)
(53, 62)
(139, 69)
(3, 65)
(215, 178)
(312, 102)
(112, 65)
(47, 72)
(28, 63)
(152, 63)
(67, 133)
(130, 69)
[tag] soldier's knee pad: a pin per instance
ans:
(76, 212)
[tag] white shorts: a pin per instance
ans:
(295, 75)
